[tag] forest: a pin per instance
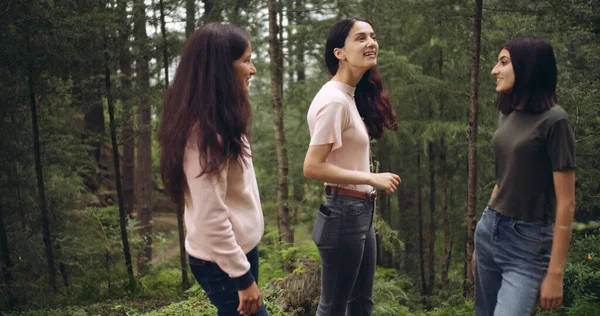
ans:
(87, 229)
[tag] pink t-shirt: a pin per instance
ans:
(223, 214)
(334, 119)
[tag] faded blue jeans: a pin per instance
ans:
(345, 237)
(511, 260)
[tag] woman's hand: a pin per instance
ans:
(551, 292)
(385, 181)
(250, 301)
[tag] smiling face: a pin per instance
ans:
(504, 72)
(244, 68)
(360, 48)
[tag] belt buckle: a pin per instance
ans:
(373, 195)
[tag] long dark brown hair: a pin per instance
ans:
(206, 103)
(534, 65)
(372, 100)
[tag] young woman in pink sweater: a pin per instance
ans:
(206, 164)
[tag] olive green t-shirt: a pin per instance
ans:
(528, 148)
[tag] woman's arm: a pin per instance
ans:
(551, 291)
(316, 168)
(494, 191)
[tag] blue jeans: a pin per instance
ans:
(511, 260)
(345, 237)
(220, 288)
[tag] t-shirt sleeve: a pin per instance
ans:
(330, 122)
(561, 145)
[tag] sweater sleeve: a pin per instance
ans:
(211, 217)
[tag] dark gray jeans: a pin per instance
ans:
(345, 238)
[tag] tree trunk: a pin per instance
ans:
(21, 207)
(432, 232)
(144, 148)
(127, 137)
(185, 280)
(211, 13)
(190, 17)
(420, 220)
(443, 182)
(300, 42)
(291, 39)
(286, 234)
(163, 31)
(472, 155)
(6, 264)
(47, 238)
(385, 257)
(115, 153)
(445, 216)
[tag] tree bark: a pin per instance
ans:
(300, 42)
(443, 181)
(6, 264)
(472, 155)
(144, 148)
(127, 136)
(212, 11)
(47, 238)
(163, 31)
(190, 17)
(185, 280)
(432, 228)
(420, 221)
(115, 153)
(286, 234)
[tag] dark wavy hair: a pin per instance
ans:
(372, 100)
(534, 65)
(206, 103)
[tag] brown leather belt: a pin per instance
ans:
(329, 190)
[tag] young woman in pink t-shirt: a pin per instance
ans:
(349, 110)
(206, 165)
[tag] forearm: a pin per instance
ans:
(563, 229)
(494, 191)
(330, 173)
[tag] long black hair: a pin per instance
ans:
(206, 103)
(372, 100)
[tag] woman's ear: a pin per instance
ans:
(339, 53)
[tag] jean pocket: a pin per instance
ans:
(527, 231)
(355, 208)
(321, 229)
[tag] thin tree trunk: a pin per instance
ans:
(210, 14)
(115, 153)
(300, 42)
(445, 216)
(47, 238)
(443, 180)
(420, 220)
(163, 31)
(472, 155)
(190, 17)
(185, 280)
(432, 232)
(127, 137)
(6, 264)
(144, 148)
(21, 207)
(291, 18)
(385, 258)
(286, 234)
